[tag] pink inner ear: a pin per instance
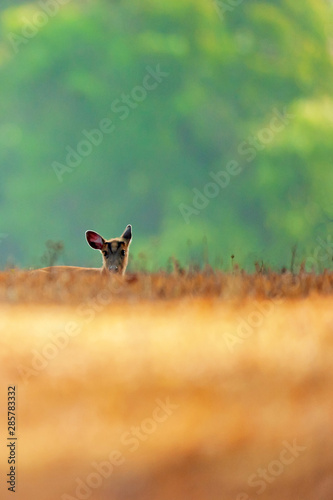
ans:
(95, 240)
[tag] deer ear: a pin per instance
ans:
(95, 240)
(127, 234)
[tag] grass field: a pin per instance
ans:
(203, 386)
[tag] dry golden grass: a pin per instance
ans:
(162, 387)
(71, 287)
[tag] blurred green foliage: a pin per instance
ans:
(114, 112)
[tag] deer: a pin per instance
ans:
(114, 252)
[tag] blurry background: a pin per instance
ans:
(117, 112)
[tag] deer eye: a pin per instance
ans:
(123, 253)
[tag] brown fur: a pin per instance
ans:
(114, 251)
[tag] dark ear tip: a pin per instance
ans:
(127, 234)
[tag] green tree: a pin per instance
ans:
(189, 89)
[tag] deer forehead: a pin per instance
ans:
(114, 245)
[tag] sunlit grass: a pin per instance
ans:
(243, 363)
(18, 286)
